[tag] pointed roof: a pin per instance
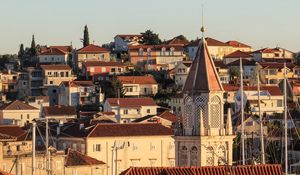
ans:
(17, 105)
(75, 158)
(202, 75)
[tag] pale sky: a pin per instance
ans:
(259, 23)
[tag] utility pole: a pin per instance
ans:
(33, 147)
(47, 148)
(262, 145)
(285, 122)
(242, 112)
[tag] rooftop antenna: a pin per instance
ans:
(202, 28)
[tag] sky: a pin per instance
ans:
(259, 23)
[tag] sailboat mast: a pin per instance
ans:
(285, 123)
(242, 112)
(262, 145)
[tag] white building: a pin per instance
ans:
(53, 55)
(129, 109)
(123, 41)
(181, 72)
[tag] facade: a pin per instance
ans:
(205, 139)
(273, 55)
(129, 109)
(222, 71)
(53, 76)
(8, 84)
(139, 85)
(156, 57)
(236, 55)
(238, 46)
(35, 81)
(181, 72)
(18, 113)
(176, 104)
(122, 42)
(91, 53)
(73, 93)
(271, 99)
(166, 118)
(53, 56)
(248, 69)
(62, 113)
(94, 68)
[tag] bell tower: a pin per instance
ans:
(205, 138)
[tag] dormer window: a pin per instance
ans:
(141, 52)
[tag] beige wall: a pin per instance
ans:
(176, 105)
(92, 57)
(139, 89)
(85, 170)
(54, 77)
(18, 117)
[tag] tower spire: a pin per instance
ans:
(202, 28)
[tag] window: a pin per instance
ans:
(172, 162)
(279, 103)
(272, 72)
(54, 91)
(148, 111)
(113, 70)
(172, 51)
(21, 116)
(249, 123)
(163, 51)
(125, 111)
(18, 147)
(24, 83)
(4, 167)
(119, 70)
(28, 116)
(97, 148)
(67, 74)
(135, 162)
(51, 82)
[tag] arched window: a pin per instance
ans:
(194, 156)
(183, 156)
(215, 112)
(209, 156)
(141, 52)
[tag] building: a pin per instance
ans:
(129, 109)
(249, 67)
(204, 139)
(222, 71)
(73, 93)
(271, 99)
(265, 169)
(156, 57)
(139, 85)
(94, 68)
(237, 55)
(18, 113)
(176, 103)
(53, 55)
(238, 46)
(8, 84)
(230, 93)
(271, 73)
(91, 53)
(23, 85)
(35, 81)
(122, 42)
(166, 118)
(273, 55)
(53, 76)
(181, 72)
(62, 113)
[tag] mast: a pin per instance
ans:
(242, 112)
(285, 123)
(47, 147)
(262, 145)
(33, 147)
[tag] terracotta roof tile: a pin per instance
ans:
(130, 129)
(13, 131)
(53, 51)
(238, 54)
(275, 65)
(56, 67)
(75, 158)
(176, 41)
(168, 116)
(59, 110)
(230, 87)
(63, 48)
(273, 90)
(214, 42)
(77, 83)
(220, 64)
(237, 44)
(92, 49)
(103, 63)
(267, 169)
(4, 173)
(137, 80)
(17, 105)
(131, 102)
(244, 61)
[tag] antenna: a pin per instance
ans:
(202, 28)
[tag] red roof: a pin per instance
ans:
(92, 49)
(137, 80)
(103, 63)
(176, 41)
(56, 67)
(12, 131)
(210, 42)
(220, 64)
(129, 129)
(17, 105)
(131, 102)
(75, 158)
(63, 48)
(237, 44)
(275, 65)
(77, 83)
(53, 51)
(245, 62)
(168, 116)
(267, 169)
(230, 87)
(266, 50)
(238, 54)
(273, 90)
(59, 110)
(202, 75)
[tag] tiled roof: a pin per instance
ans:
(244, 61)
(6, 137)
(168, 116)
(130, 129)
(267, 169)
(230, 87)
(137, 80)
(266, 50)
(56, 67)
(73, 130)
(63, 48)
(273, 90)
(237, 44)
(176, 41)
(53, 51)
(4, 173)
(131, 102)
(12, 131)
(202, 75)
(75, 158)
(214, 42)
(238, 54)
(77, 83)
(103, 63)
(92, 49)
(59, 110)
(275, 65)
(220, 64)
(17, 105)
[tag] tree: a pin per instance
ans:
(21, 51)
(181, 37)
(86, 38)
(33, 47)
(150, 38)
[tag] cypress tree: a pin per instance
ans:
(33, 43)
(21, 51)
(86, 38)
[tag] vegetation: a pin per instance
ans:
(112, 88)
(86, 38)
(150, 38)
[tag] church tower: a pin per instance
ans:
(205, 139)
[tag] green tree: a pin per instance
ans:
(181, 37)
(86, 37)
(150, 38)
(33, 51)
(21, 51)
